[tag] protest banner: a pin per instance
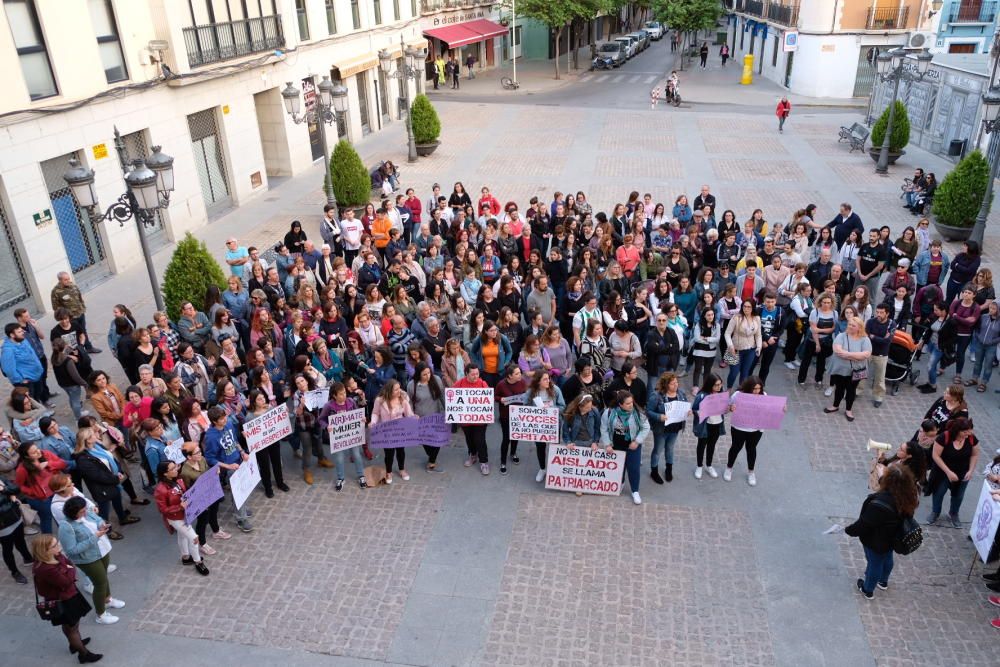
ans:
(516, 399)
(174, 452)
(346, 429)
(584, 470)
(677, 411)
(713, 405)
(244, 480)
(983, 528)
(267, 429)
(533, 424)
(757, 411)
(315, 399)
(205, 491)
(468, 405)
(429, 430)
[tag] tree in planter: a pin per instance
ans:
(900, 129)
(426, 124)
(351, 183)
(958, 198)
(191, 270)
(687, 17)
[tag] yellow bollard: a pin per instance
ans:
(747, 78)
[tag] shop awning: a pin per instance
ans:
(469, 32)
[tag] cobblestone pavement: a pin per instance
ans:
(457, 569)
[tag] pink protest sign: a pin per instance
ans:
(758, 412)
(713, 405)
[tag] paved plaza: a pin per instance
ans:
(457, 569)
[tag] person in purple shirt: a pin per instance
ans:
(964, 312)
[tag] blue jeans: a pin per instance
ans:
(359, 465)
(44, 509)
(878, 570)
(932, 367)
(633, 466)
(957, 494)
(663, 440)
(747, 359)
(74, 395)
(985, 354)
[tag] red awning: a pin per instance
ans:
(469, 32)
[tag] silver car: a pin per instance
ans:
(616, 51)
(631, 45)
(642, 37)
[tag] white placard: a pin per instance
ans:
(267, 429)
(533, 424)
(315, 399)
(468, 405)
(677, 411)
(174, 452)
(584, 470)
(244, 480)
(983, 528)
(346, 429)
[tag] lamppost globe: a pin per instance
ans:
(325, 91)
(81, 183)
(339, 95)
(411, 56)
(924, 59)
(884, 63)
(163, 166)
(936, 5)
(991, 108)
(142, 182)
(384, 61)
(897, 57)
(290, 96)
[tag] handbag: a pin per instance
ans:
(48, 610)
(28, 514)
(731, 358)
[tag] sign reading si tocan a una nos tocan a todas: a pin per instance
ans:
(584, 470)
(468, 405)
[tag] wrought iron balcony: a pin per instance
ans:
(973, 12)
(775, 11)
(215, 42)
(887, 18)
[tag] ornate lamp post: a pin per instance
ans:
(332, 101)
(149, 184)
(991, 126)
(892, 67)
(405, 73)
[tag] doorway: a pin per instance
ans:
(80, 236)
(362, 83)
(209, 161)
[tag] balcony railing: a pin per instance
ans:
(775, 11)
(887, 18)
(215, 42)
(973, 12)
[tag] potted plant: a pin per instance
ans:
(959, 197)
(352, 184)
(191, 271)
(897, 140)
(426, 125)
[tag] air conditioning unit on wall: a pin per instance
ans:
(919, 40)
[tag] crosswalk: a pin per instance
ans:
(619, 77)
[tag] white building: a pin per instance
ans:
(202, 79)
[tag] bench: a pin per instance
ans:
(856, 135)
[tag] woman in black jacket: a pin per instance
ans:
(12, 529)
(877, 526)
(459, 198)
(102, 476)
(942, 351)
(295, 239)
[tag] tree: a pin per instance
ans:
(426, 124)
(555, 14)
(958, 198)
(351, 183)
(191, 270)
(900, 129)
(687, 16)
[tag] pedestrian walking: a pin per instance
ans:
(703, 54)
(440, 76)
(654, 97)
(783, 109)
(724, 54)
(470, 62)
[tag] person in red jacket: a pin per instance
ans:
(475, 434)
(168, 500)
(783, 109)
(33, 474)
(488, 199)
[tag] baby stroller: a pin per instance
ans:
(899, 367)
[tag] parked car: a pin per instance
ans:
(631, 45)
(643, 37)
(655, 30)
(616, 51)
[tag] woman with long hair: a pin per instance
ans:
(954, 457)
(851, 351)
(268, 458)
(963, 269)
(744, 338)
(83, 536)
(819, 339)
(512, 386)
(707, 430)
(70, 367)
(665, 434)
(878, 524)
(543, 393)
(743, 437)
(623, 428)
(390, 404)
(169, 501)
(306, 425)
(427, 398)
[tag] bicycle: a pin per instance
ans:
(509, 84)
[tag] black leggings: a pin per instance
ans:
(540, 450)
(506, 444)
(432, 454)
(808, 353)
(705, 449)
(269, 461)
(475, 440)
(210, 517)
(14, 541)
(741, 438)
(843, 386)
(399, 453)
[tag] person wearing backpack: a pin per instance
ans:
(886, 525)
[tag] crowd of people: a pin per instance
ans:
(608, 317)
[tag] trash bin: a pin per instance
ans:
(957, 147)
(721, 37)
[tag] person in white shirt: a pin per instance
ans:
(351, 230)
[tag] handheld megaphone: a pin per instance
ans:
(884, 446)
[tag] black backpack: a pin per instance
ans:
(909, 535)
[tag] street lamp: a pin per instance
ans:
(332, 101)
(150, 182)
(991, 125)
(405, 73)
(892, 66)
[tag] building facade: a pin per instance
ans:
(966, 26)
(202, 79)
(822, 48)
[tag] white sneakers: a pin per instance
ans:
(115, 603)
(709, 469)
(752, 479)
(697, 472)
(107, 619)
(540, 475)
(728, 475)
(828, 391)
(635, 498)
(789, 365)
(711, 472)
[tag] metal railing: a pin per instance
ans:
(973, 12)
(887, 18)
(775, 11)
(215, 42)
